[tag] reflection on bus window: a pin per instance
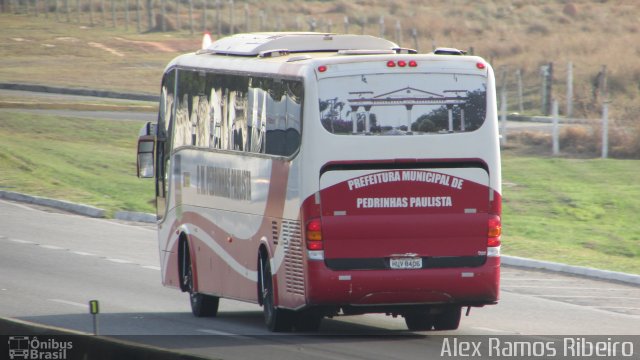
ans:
(411, 104)
(232, 112)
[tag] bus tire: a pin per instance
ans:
(201, 305)
(449, 319)
(418, 320)
(276, 319)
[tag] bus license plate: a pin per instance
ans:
(406, 263)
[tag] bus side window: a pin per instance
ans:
(294, 111)
(283, 118)
(231, 112)
(257, 116)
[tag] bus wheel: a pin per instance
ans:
(418, 320)
(277, 320)
(307, 320)
(449, 319)
(201, 305)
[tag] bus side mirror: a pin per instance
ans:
(146, 150)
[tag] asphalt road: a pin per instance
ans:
(52, 264)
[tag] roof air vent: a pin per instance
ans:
(448, 51)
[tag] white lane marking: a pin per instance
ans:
(601, 310)
(21, 241)
(72, 303)
(615, 307)
(118, 261)
(51, 247)
(566, 288)
(82, 253)
(530, 279)
(216, 332)
(224, 333)
(587, 297)
(18, 205)
(491, 330)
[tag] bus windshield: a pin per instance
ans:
(402, 104)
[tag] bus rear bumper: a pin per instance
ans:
(474, 286)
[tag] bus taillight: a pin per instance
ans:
(402, 63)
(314, 235)
(494, 231)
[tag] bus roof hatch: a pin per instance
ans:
(256, 43)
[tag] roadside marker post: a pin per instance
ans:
(94, 309)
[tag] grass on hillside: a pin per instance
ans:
(512, 34)
(79, 160)
(581, 212)
(48, 52)
(575, 211)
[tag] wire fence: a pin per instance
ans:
(218, 17)
(522, 96)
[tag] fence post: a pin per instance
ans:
(555, 132)
(520, 97)
(605, 129)
(138, 17)
(398, 32)
(231, 18)
(503, 115)
(601, 86)
(191, 22)
(178, 25)
(549, 89)
(218, 23)
(414, 35)
(204, 15)
(113, 13)
(382, 26)
(346, 24)
(103, 8)
(149, 14)
(79, 9)
(246, 17)
(163, 12)
(126, 15)
(569, 89)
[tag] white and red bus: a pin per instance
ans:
(321, 175)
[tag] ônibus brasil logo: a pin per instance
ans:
(32, 348)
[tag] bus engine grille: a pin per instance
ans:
(291, 238)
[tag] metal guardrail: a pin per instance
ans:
(79, 92)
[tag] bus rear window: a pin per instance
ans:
(402, 104)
